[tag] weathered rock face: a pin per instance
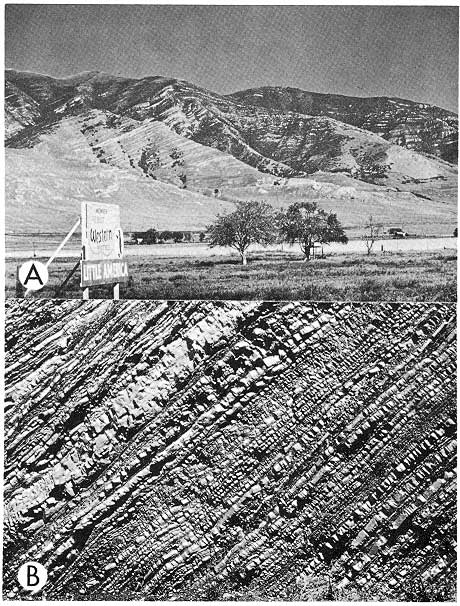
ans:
(419, 126)
(231, 450)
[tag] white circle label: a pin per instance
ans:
(33, 275)
(32, 576)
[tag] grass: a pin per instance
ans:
(398, 276)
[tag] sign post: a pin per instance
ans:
(102, 247)
(35, 270)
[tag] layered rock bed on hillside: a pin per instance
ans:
(231, 450)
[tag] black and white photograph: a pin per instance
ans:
(231, 450)
(230, 303)
(231, 152)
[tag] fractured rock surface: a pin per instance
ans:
(214, 450)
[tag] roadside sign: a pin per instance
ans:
(101, 256)
(107, 271)
(102, 247)
(33, 275)
(101, 234)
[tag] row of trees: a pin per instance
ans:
(256, 222)
(153, 236)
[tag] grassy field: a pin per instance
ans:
(396, 276)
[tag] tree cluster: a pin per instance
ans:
(372, 169)
(153, 236)
(256, 222)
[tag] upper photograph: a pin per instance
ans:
(231, 152)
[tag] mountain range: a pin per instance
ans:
(174, 154)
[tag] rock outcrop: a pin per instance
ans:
(418, 126)
(206, 450)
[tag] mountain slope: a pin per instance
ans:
(45, 185)
(418, 126)
(155, 151)
(21, 110)
(272, 140)
(137, 134)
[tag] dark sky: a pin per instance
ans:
(409, 52)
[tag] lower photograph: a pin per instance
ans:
(229, 451)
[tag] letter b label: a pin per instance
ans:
(32, 576)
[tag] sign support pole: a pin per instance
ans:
(59, 248)
(63, 243)
(58, 290)
(116, 291)
(86, 293)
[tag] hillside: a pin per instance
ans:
(418, 126)
(157, 130)
(61, 171)
(231, 450)
(275, 140)
(418, 210)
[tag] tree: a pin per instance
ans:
(373, 233)
(148, 237)
(164, 236)
(305, 223)
(251, 223)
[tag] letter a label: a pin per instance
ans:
(32, 576)
(33, 275)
